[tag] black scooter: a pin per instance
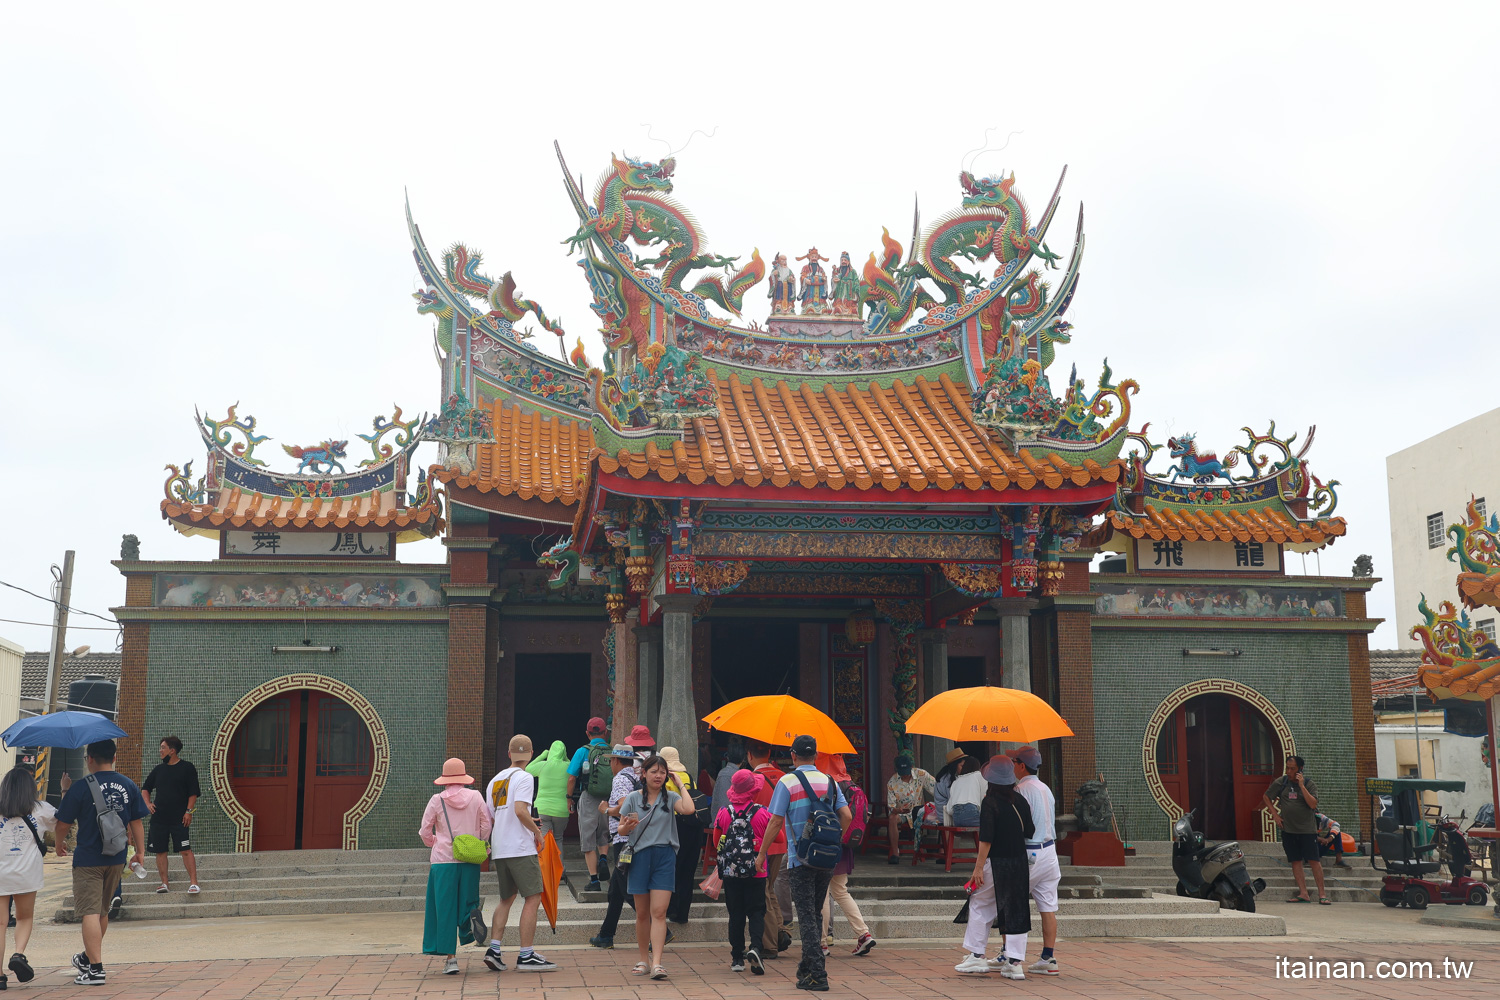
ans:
(1213, 871)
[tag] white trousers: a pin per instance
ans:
(1044, 874)
(982, 910)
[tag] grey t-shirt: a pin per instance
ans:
(1296, 815)
(658, 825)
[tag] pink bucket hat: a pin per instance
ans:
(743, 787)
(454, 773)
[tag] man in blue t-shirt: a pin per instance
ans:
(791, 808)
(96, 874)
(593, 828)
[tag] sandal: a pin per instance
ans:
(641, 968)
(1299, 899)
(193, 889)
(658, 973)
(1325, 901)
(162, 887)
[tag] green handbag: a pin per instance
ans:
(467, 848)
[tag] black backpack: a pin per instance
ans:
(737, 847)
(821, 843)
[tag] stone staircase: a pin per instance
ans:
(1151, 869)
(898, 901)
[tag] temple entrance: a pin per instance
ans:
(752, 657)
(1217, 754)
(299, 762)
(966, 672)
(552, 701)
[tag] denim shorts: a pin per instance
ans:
(653, 868)
(965, 814)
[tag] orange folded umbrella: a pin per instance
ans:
(778, 719)
(550, 859)
(987, 713)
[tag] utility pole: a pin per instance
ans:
(62, 593)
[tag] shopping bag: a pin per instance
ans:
(713, 885)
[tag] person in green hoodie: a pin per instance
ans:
(550, 769)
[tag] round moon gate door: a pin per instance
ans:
(299, 762)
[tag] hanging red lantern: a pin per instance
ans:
(859, 628)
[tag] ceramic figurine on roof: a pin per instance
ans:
(1460, 660)
(1278, 499)
(1477, 550)
(783, 290)
(814, 284)
(846, 291)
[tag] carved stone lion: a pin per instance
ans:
(1364, 566)
(1093, 808)
(130, 548)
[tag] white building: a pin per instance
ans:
(1429, 486)
(11, 656)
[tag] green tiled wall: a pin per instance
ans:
(1305, 675)
(198, 670)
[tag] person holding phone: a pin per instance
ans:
(1292, 801)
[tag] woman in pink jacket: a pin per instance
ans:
(452, 886)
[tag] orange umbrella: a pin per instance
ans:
(987, 713)
(778, 719)
(550, 859)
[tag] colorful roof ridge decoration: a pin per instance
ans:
(527, 454)
(1458, 659)
(237, 491)
(488, 348)
(1277, 499)
(914, 436)
(1478, 552)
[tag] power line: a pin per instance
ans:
(71, 628)
(71, 609)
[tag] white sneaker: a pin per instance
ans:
(1043, 967)
(973, 964)
(1012, 970)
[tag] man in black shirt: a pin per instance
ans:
(171, 792)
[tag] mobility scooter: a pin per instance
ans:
(1397, 838)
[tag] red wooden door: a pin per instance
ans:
(336, 770)
(1257, 758)
(263, 768)
(1171, 759)
(299, 762)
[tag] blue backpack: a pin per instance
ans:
(821, 843)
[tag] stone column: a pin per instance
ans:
(934, 645)
(1015, 641)
(627, 682)
(648, 677)
(679, 725)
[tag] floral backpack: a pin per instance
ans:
(737, 847)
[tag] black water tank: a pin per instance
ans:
(87, 694)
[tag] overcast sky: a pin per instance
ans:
(1291, 212)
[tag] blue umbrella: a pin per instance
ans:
(61, 729)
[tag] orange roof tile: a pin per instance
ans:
(1225, 524)
(237, 508)
(532, 457)
(915, 435)
(1471, 680)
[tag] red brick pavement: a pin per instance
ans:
(1112, 970)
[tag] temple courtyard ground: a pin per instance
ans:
(352, 956)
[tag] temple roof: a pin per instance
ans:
(917, 435)
(532, 456)
(239, 491)
(368, 511)
(1225, 524)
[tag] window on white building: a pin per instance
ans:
(1487, 626)
(1435, 530)
(1479, 508)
